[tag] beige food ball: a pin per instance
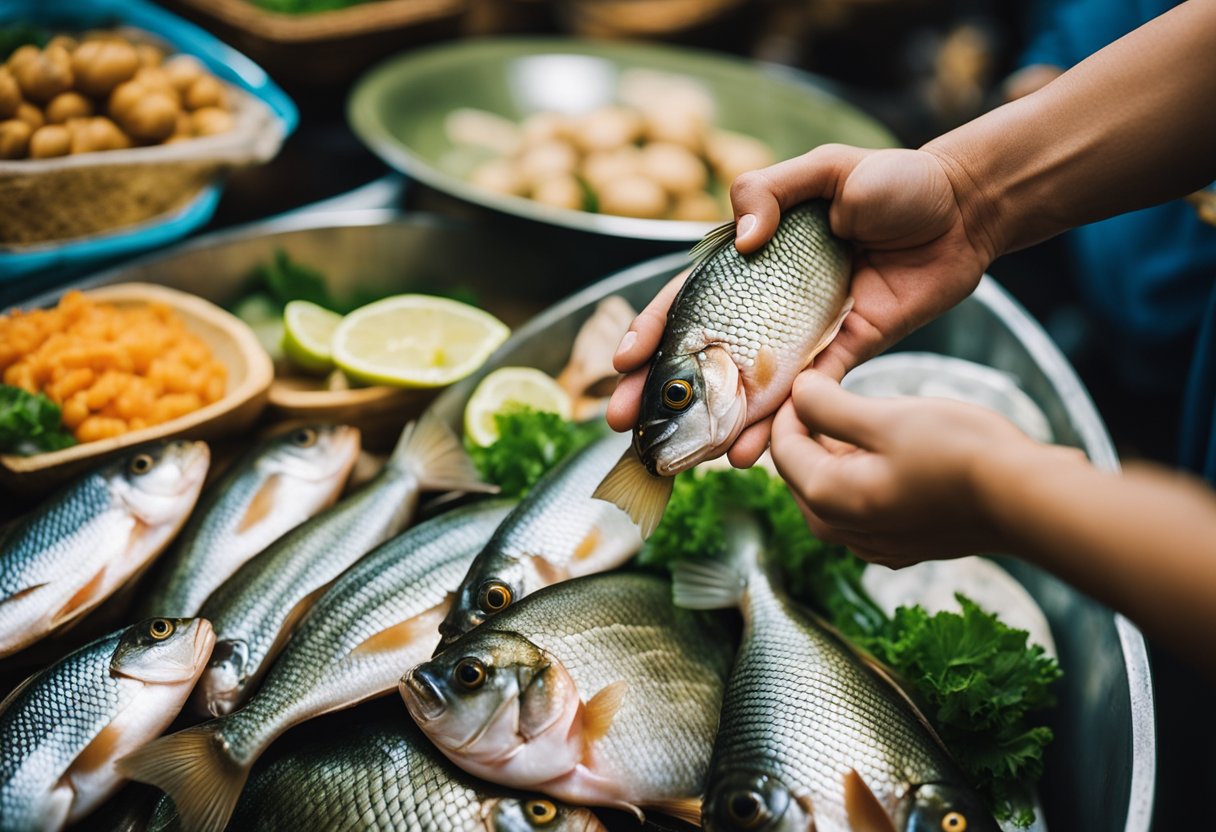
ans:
(545, 127)
(206, 91)
(152, 118)
(30, 114)
(44, 74)
(125, 96)
(210, 121)
(734, 153)
(10, 93)
(674, 167)
(699, 206)
(155, 78)
(50, 141)
(607, 129)
(560, 192)
(101, 65)
(68, 105)
(68, 42)
(634, 196)
(501, 176)
(14, 139)
(548, 159)
(97, 133)
(183, 70)
(609, 165)
(676, 127)
(149, 55)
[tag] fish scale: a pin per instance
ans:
(800, 707)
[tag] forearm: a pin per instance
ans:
(1131, 126)
(1143, 542)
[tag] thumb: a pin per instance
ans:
(827, 408)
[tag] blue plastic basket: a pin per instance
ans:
(224, 62)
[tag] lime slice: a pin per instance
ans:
(415, 341)
(511, 386)
(308, 330)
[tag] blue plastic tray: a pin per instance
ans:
(61, 259)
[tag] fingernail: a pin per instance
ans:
(627, 342)
(746, 225)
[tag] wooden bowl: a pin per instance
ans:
(250, 372)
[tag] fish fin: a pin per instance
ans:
(594, 345)
(865, 812)
(710, 584)
(290, 622)
(430, 450)
(83, 596)
(404, 633)
(713, 242)
(21, 593)
(192, 767)
(637, 492)
(15, 692)
(687, 809)
(831, 332)
(587, 546)
(261, 505)
(601, 709)
(98, 752)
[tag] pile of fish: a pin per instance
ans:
(538, 678)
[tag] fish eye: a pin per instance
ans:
(677, 394)
(470, 673)
(745, 809)
(540, 812)
(141, 464)
(160, 628)
(304, 437)
(954, 822)
(495, 596)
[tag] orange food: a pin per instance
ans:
(111, 369)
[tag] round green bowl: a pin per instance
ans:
(398, 110)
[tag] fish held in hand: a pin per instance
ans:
(256, 609)
(271, 490)
(556, 533)
(596, 691)
(740, 330)
(92, 537)
(63, 729)
(812, 735)
(375, 621)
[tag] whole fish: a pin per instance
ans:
(597, 691)
(557, 532)
(812, 736)
(739, 331)
(63, 728)
(269, 491)
(378, 772)
(93, 536)
(375, 622)
(255, 610)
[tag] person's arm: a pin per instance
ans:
(904, 480)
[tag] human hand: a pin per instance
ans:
(915, 258)
(903, 480)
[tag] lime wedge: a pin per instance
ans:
(415, 341)
(308, 330)
(509, 386)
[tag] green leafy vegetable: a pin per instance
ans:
(30, 423)
(286, 280)
(530, 442)
(978, 678)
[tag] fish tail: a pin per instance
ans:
(193, 767)
(637, 492)
(430, 450)
(720, 582)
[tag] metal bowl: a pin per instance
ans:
(1101, 767)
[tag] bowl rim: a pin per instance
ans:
(258, 375)
(367, 122)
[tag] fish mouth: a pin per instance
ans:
(422, 696)
(655, 433)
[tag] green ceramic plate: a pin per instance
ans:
(398, 109)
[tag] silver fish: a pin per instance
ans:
(597, 691)
(812, 736)
(557, 532)
(272, 489)
(92, 537)
(379, 772)
(63, 728)
(376, 621)
(255, 610)
(740, 330)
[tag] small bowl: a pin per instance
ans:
(233, 343)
